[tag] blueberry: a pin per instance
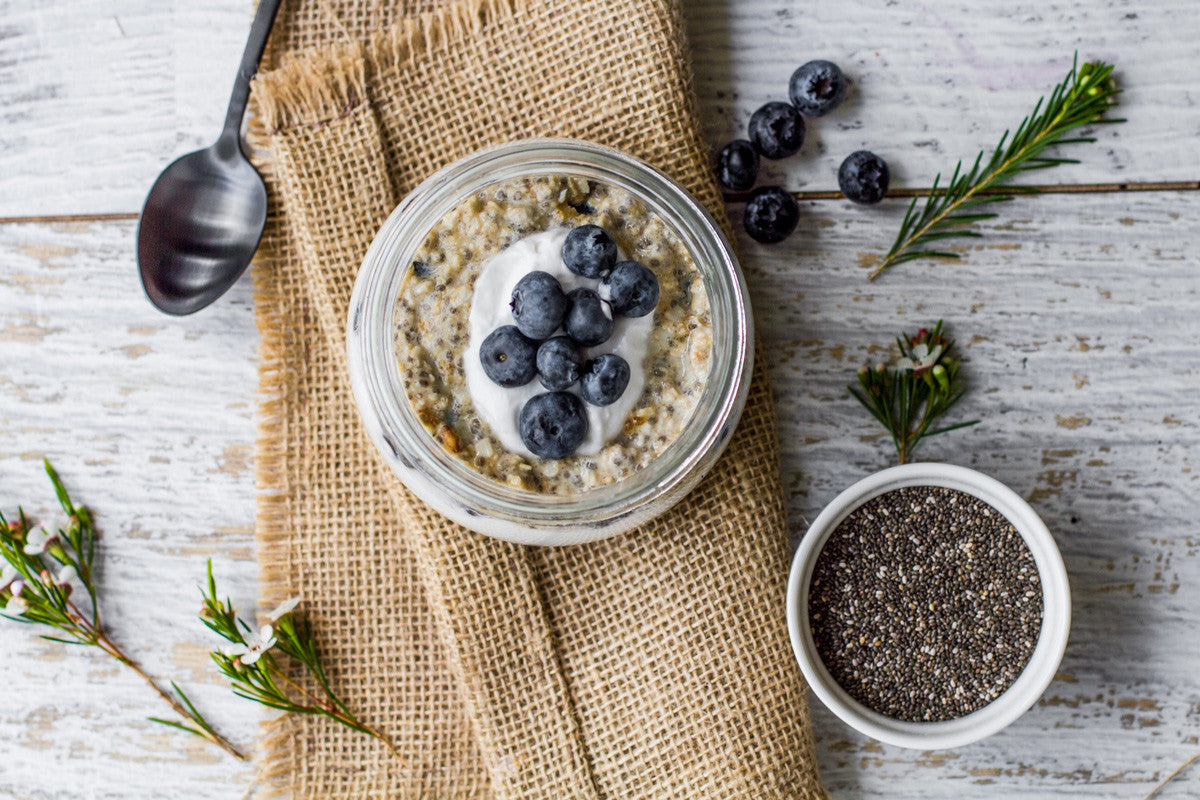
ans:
(589, 251)
(604, 379)
(538, 305)
(737, 165)
(863, 177)
(631, 289)
(589, 321)
(553, 424)
(559, 363)
(771, 215)
(509, 357)
(817, 88)
(777, 130)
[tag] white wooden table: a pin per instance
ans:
(1079, 314)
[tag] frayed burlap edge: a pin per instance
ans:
(320, 87)
(331, 83)
(307, 91)
(270, 527)
(274, 755)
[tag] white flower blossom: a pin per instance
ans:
(286, 607)
(8, 574)
(39, 541)
(922, 358)
(65, 576)
(16, 604)
(255, 646)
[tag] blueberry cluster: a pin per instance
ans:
(553, 424)
(776, 131)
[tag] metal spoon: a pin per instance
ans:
(205, 214)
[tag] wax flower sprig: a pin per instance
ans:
(249, 661)
(908, 396)
(39, 571)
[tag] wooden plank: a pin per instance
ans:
(98, 97)
(150, 421)
(1080, 320)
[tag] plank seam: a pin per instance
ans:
(740, 197)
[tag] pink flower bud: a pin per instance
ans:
(17, 529)
(942, 378)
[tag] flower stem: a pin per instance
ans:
(109, 646)
(329, 708)
(1171, 777)
(325, 704)
(386, 742)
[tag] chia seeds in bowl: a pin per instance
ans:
(408, 366)
(925, 604)
(928, 606)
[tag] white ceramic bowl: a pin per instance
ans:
(1033, 680)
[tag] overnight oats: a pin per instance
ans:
(553, 334)
(549, 342)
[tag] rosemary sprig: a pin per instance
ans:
(31, 593)
(1082, 98)
(257, 675)
(919, 388)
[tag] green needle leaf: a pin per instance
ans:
(64, 499)
(178, 725)
(953, 427)
(1083, 97)
(48, 603)
(64, 641)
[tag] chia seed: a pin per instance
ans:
(925, 604)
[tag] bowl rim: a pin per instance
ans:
(1030, 683)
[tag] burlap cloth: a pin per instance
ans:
(655, 664)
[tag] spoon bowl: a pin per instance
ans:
(201, 224)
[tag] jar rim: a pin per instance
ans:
(415, 454)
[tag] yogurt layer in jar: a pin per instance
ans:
(458, 287)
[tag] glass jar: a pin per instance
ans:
(448, 484)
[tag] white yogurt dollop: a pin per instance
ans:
(501, 407)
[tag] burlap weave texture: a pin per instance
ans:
(655, 664)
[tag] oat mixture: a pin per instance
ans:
(435, 302)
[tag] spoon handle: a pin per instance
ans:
(257, 41)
